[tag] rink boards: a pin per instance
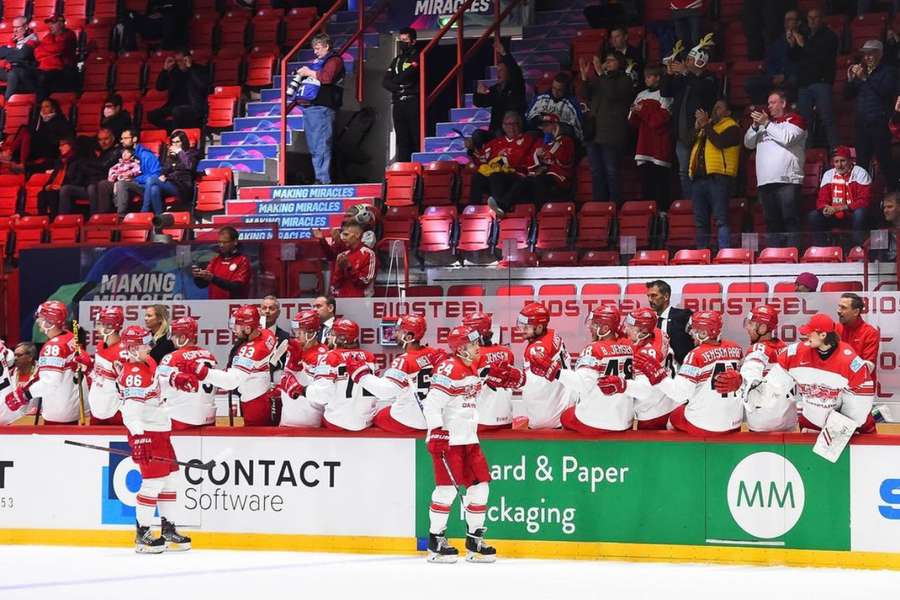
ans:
(750, 498)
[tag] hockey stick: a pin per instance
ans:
(459, 489)
(78, 377)
(191, 464)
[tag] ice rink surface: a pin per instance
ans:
(98, 573)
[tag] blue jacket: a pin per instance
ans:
(875, 97)
(149, 164)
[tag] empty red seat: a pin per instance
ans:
(150, 102)
(465, 290)
(739, 73)
(516, 290)
(599, 258)
(692, 257)
(784, 287)
(436, 233)
(129, 71)
(136, 227)
(202, 30)
(28, 232)
(221, 111)
(11, 192)
(734, 256)
(595, 224)
(856, 254)
(841, 286)
(562, 289)
(519, 258)
(637, 218)
(66, 229)
(586, 44)
(33, 187)
(753, 287)
(701, 289)
(233, 28)
(650, 257)
(227, 65)
(401, 183)
(260, 69)
(559, 258)
(554, 224)
(475, 230)
(18, 112)
(95, 75)
(823, 254)
(777, 255)
(869, 26)
(515, 230)
(611, 290)
(266, 28)
(440, 182)
(100, 228)
(399, 223)
(682, 229)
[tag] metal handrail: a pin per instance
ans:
(364, 22)
(426, 100)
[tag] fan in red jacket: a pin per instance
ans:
(502, 161)
(353, 272)
(56, 57)
(651, 115)
(843, 200)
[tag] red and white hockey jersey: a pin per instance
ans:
(839, 381)
(707, 408)
(299, 411)
(495, 406)
(346, 404)
(768, 407)
(56, 380)
(452, 400)
(142, 403)
(193, 408)
(103, 397)
(8, 383)
(545, 400)
(650, 401)
(249, 370)
(594, 408)
(404, 386)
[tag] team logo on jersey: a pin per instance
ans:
(766, 495)
(120, 483)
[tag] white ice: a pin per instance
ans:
(99, 573)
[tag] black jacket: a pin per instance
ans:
(180, 171)
(689, 92)
(117, 123)
(679, 339)
(186, 87)
(161, 347)
(402, 77)
(816, 59)
(875, 97)
(501, 98)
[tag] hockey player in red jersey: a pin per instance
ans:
(704, 379)
(498, 375)
(404, 384)
(249, 369)
(303, 354)
(149, 435)
(347, 406)
(55, 378)
(767, 407)
(190, 403)
(599, 378)
(452, 421)
(544, 397)
(104, 368)
(653, 362)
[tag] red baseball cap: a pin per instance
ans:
(820, 323)
(843, 152)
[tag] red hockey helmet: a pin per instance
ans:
(136, 336)
(306, 320)
(412, 324)
(246, 316)
(606, 315)
(764, 315)
(479, 321)
(533, 314)
(642, 319)
(345, 330)
(709, 322)
(460, 337)
(53, 312)
(185, 326)
(112, 317)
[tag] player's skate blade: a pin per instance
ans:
(145, 543)
(477, 551)
(175, 542)
(440, 551)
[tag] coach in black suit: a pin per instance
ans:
(670, 319)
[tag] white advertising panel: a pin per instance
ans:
(875, 498)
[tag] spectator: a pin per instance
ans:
(651, 114)
(691, 87)
(176, 175)
(806, 282)
(549, 175)
(270, 309)
(508, 94)
(890, 208)
(402, 80)
(127, 168)
(687, 17)
(560, 102)
(609, 91)
(123, 189)
(227, 276)
(37, 145)
(779, 138)
(17, 64)
(56, 59)
(187, 85)
(325, 306)
(633, 65)
(714, 166)
(862, 337)
(673, 321)
(353, 271)
(502, 161)
(48, 199)
(24, 365)
(874, 85)
(115, 118)
(762, 24)
(164, 20)
(781, 64)
(327, 74)
(87, 171)
(843, 199)
(156, 319)
(816, 54)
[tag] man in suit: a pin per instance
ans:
(270, 310)
(325, 306)
(670, 319)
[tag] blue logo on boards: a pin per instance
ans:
(890, 494)
(120, 483)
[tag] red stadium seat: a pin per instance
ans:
(18, 112)
(554, 224)
(260, 68)
(584, 191)
(96, 72)
(233, 28)
(436, 234)
(402, 182)
(202, 30)
(784, 287)
(136, 227)
(153, 139)
(517, 229)
(735, 42)
(841, 286)
(425, 291)
(734, 256)
(637, 218)
(28, 232)
(128, 72)
(650, 258)
(701, 289)
(399, 223)
(33, 187)
(559, 258)
(611, 290)
(557, 290)
(227, 65)
(600, 258)
(150, 102)
(586, 44)
(11, 194)
(297, 22)
(475, 230)
(682, 229)
(66, 229)
(755, 287)
(692, 257)
(519, 258)
(266, 28)
(440, 183)
(222, 110)
(856, 254)
(595, 224)
(777, 255)
(870, 26)
(211, 194)
(823, 254)
(812, 178)
(516, 290)
(738, 75)
(465, 290)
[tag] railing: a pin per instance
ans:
(360, 39)
(425, 99)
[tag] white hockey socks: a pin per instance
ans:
(475, 502)
(167, 497)
(441, 500)
(147, 497)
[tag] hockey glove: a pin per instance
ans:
(543, 365)
(82, 361)
(17, 398)
(611, 384)
(294, 355)
(357, 368)
(496, 375)
(728, 382)
(438, 441)
(514, 379)
(650, 368)
(185, 382)
(290, 386)
(195, 367)
(140, 449)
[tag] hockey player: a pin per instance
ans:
(55, 379)
(149, 435)
(498, 375)
(104, 368)
(653, 362)
(706, 406)
(545, 398)
(303, 354)
(451, 417)
(405, 383)
(8, 387)
(249, 370)
(599, 379)
(347, 406)
(767, 407)
(190, 403)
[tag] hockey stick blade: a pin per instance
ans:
(278, 353)
(191, 464)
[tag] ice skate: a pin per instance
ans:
(175, 542)
(476, 550)
(439, 550)
(145, 543)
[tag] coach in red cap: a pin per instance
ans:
(843, 200)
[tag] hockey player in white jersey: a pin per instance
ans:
(303, 355)
(103, 369)
(8, 389)
(499, 375)
(451, 417)
(653, 362)
(544, 396)
(599, 379)
(191, 404)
